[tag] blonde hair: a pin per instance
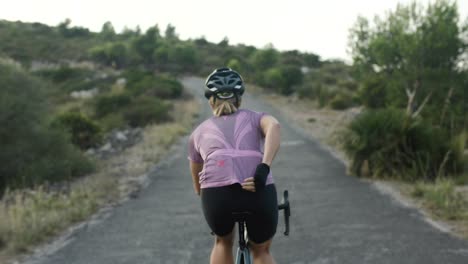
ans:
(224, 107)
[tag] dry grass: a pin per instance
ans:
(442, 198)
(30, 217)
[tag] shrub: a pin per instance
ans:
(30, 151)
(442, 198)
(341, 101)
(45, 156)
(324, 95)
(457, 151)
(84, 132)
(147, 110)
(162, 86)
(63, 74)
(308, 90)
(273, 78)
(111, 103)
(75, 79)
(396, 145)
(373, 93)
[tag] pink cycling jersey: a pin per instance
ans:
(230, 148)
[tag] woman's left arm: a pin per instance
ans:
(195, 169)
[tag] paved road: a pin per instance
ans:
(336, 218)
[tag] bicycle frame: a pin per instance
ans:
(243, 254)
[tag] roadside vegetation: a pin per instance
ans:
(404, 99)
(398, 113)
(412, 69)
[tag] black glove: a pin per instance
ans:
(260, 176)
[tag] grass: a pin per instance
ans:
(31, 217)
(442, 199)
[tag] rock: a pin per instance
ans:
(43, 65)
(121, 82)
(106, 148)
(84, 94)
(116, 141)
(121, 136)
(90, 152)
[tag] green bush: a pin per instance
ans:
(373, 92)
(31, 152)
(325, 94)
(162, 86)
(396, 145)
(146, 110)
(62, 74)
(111, 121)
(273, 78)
(111, 103)
(442, 198)
(308, 90)
(54, 159)
(84, 132)
(457, 146)
(75, 79)
(341, 101)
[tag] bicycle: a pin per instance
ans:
(243, 254)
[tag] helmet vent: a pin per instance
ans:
(224, 80)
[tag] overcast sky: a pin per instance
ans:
(319, 26)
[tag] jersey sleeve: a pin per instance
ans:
(193, 154)
(257, 117)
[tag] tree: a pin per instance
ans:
(146, 44)
(64, 26)
(311, 60)
(71, 32)
(111, 54)
(224, 43)
(235, 65)
(184, 56)
(414, 51)
(265, 58)
(108, 31)
(291, 57)
(170, 33)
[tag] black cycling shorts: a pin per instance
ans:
(220, 202)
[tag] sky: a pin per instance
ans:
(318, 26)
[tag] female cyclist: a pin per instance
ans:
(230, 157)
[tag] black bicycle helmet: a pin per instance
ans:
(224, 83)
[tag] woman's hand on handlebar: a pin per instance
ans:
(249, 184)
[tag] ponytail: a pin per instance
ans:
(224, 107)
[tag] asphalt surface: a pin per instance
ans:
(336, 218)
